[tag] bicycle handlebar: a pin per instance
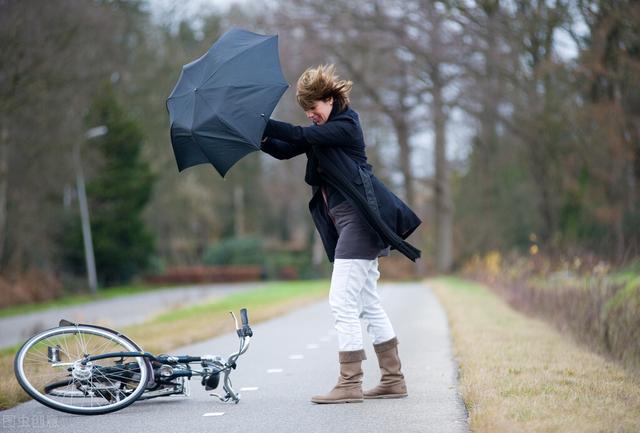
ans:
(243, 316)
(246, 330)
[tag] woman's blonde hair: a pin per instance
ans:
(320, 84)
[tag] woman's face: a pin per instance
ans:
(320, 111)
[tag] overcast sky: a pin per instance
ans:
(176, 10)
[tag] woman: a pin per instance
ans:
(358, 219)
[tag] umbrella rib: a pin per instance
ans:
(188, 92)
(233, 57)
(223, 120)
(184, 76)
(241, 86)
(227, 124)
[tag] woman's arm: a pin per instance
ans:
(338, 132)
(281, 149)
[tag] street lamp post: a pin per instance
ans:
(84, 209)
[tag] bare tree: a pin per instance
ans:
(53, 54)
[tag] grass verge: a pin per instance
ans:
(518, 374)
(68, 300)
(191, 324)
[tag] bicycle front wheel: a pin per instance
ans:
(49, 368)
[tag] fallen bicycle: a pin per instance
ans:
(90, 370)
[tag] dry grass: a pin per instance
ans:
(165, 336)
(10, 392)
(518, 374)
(188, 325)
(597, 304)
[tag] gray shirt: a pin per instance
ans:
(356, 240)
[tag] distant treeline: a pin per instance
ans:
(501, 122)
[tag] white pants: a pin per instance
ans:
(354, 295)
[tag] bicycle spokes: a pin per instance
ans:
(52, 367)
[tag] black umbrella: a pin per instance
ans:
(219, 107)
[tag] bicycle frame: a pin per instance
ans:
(206, 361)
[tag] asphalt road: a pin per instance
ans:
(120, 311)
(290, 359)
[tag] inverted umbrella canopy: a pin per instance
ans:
(219, 107)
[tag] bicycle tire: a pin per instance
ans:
(48, 368)
(151, 383)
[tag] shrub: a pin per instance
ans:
(582, 295)
(236, 251)
(277, 264)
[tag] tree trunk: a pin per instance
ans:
(489, 115)
(619, 243)
(443, 203)
(4, 174)
(402, 134)
(239, 212)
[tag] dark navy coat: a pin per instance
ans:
(337, 159)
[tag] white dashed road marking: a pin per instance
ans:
(213, 414)
(274, 370)
(296, 356)
(249, 388)
(312, 346)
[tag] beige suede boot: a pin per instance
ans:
(392, 383)
(349, 387)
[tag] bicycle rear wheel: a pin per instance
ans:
(49, 369)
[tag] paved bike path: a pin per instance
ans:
(115, 312)
(290, 359)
